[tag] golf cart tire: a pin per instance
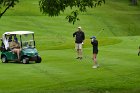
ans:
(38, 59)
(25, 60)
(4, 59)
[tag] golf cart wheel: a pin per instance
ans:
(25, 60)
(38, 59)
(4, 59)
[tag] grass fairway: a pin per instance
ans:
(59, 71)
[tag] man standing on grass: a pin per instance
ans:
(79, 39)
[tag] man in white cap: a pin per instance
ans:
(79, 39)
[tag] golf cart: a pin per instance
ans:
(26, 42)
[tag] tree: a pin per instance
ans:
(133, 2)
(54, 7)
(6, 4)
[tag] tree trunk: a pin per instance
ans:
(134, 2)
(10, 5)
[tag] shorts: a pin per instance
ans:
(78, 45)
(95, 51)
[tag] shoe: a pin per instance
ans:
(77, 57)
(97, 65)
(94, 66)
(80, 58)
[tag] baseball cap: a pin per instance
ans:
(93, 37)
(79, 27)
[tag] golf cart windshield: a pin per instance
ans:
(27, 41)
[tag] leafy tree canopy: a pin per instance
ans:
(54, 7)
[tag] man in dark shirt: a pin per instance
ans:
(94, 43)
(79, 38)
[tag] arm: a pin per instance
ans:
(83, 36)
(92, 41)
(74, 34)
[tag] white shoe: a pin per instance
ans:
(94, 66)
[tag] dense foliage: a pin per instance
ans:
(134, 2)
(55, 7)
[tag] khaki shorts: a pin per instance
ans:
(78, 45)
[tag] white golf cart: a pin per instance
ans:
(28, 51)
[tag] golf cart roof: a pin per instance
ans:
(18, 32)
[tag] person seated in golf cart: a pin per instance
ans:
(15, 46)
(2, 47)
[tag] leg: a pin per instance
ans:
(80, 53)
(78, 48)
(95, 61)
(17, 51)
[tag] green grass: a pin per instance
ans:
(59, 71)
